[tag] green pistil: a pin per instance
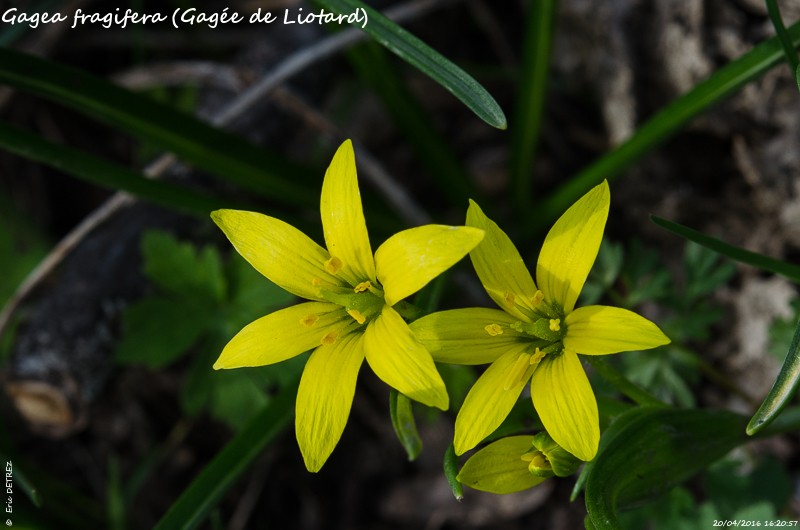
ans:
(547, 329)
(361, 306)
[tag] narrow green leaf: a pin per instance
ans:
(531, 94)
(103, 173)
(721, 84)
(618, 380)
(208, 488)
(652, 451)
(423, 57)
(782, 391)
(373, 66)
(451, 472)
(404, 426)
(224, 154)
(780, 30)
(739, 254)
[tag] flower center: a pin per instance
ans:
(364, 302)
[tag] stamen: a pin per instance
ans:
(517, 374)
(509, 297)
(357, 316)
(539, 461)
(329, 338)
(537, 298)
(316, 282)
(555, 324)
(363, 286)
(309, 320)
(537, 356)
(333, 265)
(493, 330)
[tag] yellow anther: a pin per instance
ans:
(494, 330)
(539, 461)
(509, 298)
(537, 298)
(537, 356)
(363, 286)
(333, 265)
(555, 324)
(357, 316)
(316, 282)
(527, 457)
(309, 320)
(329, 338)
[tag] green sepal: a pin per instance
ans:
(651, 449)
(404, 425)
(500, 468)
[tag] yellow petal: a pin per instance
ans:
(600, 330)
(401, 361)
(343, 218)
(488, 402)
(500, 267)
(566, 404)
(325, 396)
(499, 467)
(279, 251)
(571, 246)
(467, 336)
(410, 259)
(283, 334)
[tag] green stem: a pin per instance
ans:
(786, 41)
(530, 99)
(622, 383)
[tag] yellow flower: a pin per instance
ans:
(539, 333)
(350, 315)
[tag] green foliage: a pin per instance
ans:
(22, 246)
(426, 59)
(649, 450)
(636, 275)
(758, 495)
(198, 304)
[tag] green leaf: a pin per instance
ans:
(208, 488)
(424, 58)
(251, 295)
(782, 392)
(403, 422)
(103, 173)
(181, 269)
(652, 450)
(229, 156)
(721, 84)
(739, 254)
(159, 330)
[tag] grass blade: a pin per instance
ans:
(531, 94)
(224, 154)
(231, 462)
(739, 254)
(103, 173)
(780, 30)
(424, 58)
(721, 84)
(782, 391)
